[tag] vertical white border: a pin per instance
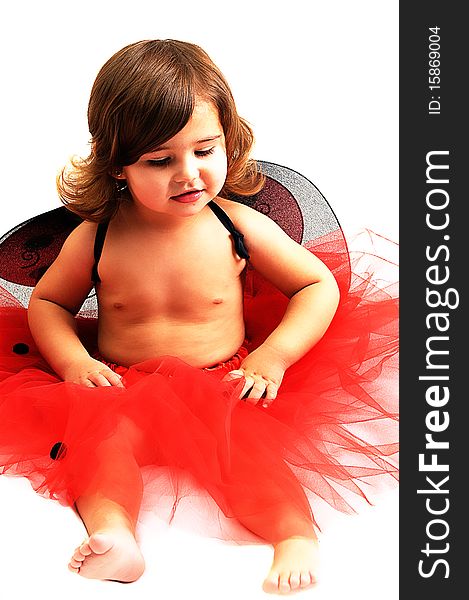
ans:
(318, 82)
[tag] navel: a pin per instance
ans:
(118, 305)
(217, 300)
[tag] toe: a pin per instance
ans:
(76, 564)
(99, 544)
(85, 549)
(77, 555)
(271, 583)
(294, 580)
(305, 579)
(283, 583)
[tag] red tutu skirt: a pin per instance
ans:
(329, 439)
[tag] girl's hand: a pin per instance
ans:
(263, 371)
(92, 373)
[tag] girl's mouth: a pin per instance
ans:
(187, 197)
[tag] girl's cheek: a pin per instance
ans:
(222, 164)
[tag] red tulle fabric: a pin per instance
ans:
(205, 456)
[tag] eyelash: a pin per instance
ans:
(165, 161)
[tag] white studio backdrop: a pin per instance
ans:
(318, 81)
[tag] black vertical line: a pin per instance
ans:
(423, 130)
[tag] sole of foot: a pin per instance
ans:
(112, 555)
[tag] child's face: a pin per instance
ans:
(185, 173)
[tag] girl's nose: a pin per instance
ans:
(188, 170)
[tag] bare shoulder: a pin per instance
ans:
(248, 220)
(81, 239)
(68, 280)
(281, 260)
(77, 252)
(236, 209)
(261, 233)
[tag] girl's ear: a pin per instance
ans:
(117, 174)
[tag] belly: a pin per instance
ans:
(200, 344)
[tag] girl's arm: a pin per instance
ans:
(302, 277)
(54, 303)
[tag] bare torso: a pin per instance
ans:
(178, 294)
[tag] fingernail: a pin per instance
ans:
(265, 405)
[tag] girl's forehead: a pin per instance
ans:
(204, 109)
(203, 125)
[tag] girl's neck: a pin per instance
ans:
(143, 218)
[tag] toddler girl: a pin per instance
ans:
(257, 415)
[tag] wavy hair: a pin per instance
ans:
(143, 96)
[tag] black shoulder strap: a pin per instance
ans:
(238, 238)
(98, 249)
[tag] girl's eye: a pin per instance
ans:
(205, 152)
(162, 162)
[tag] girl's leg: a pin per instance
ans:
(109, 511)
(276, 509)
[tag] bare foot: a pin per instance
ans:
(294, 566)
(111, 554)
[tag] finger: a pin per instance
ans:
(237, 374)
(257, 390)
(87, 383)
(271, 394)
(249, 382)
(113, 378)
(98, 379)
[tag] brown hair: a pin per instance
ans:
(143, 96)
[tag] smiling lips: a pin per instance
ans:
(190, 196)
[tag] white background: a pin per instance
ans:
(318, 82)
